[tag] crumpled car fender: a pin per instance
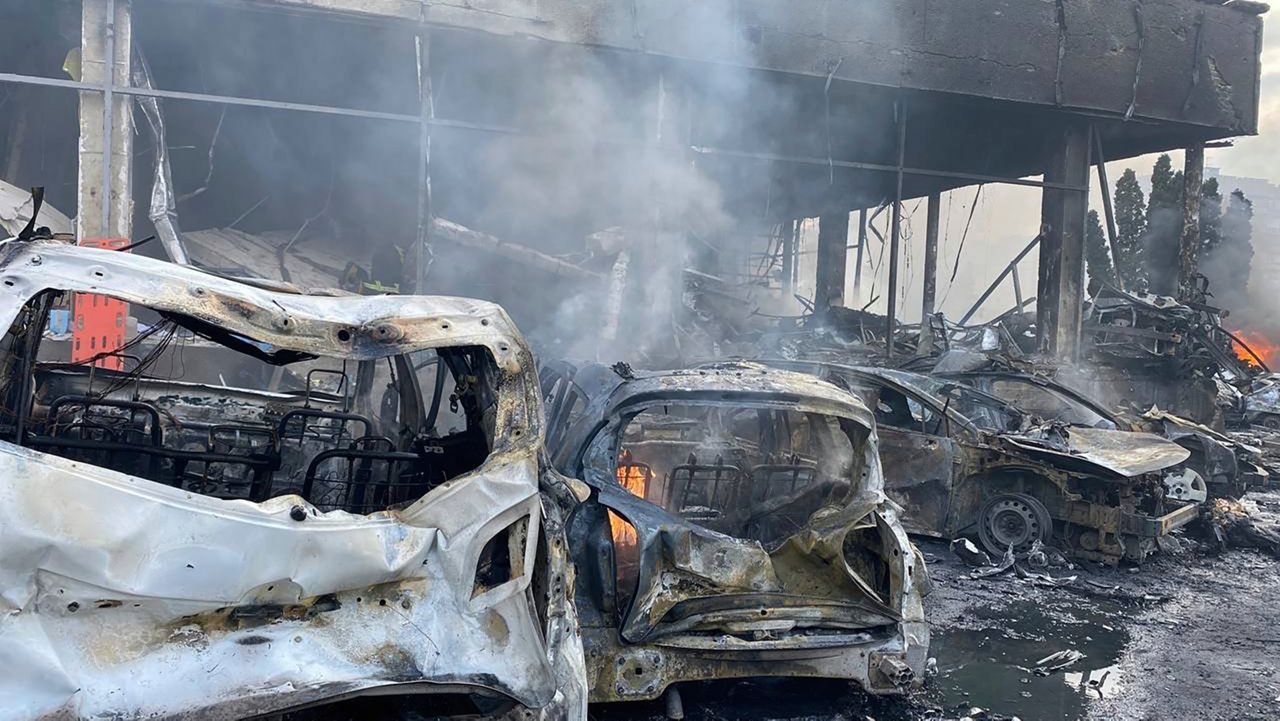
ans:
(124, 598)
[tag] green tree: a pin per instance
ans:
(1131, 228)
(1166, 186)
(1164, 228)
(1210, 217)
(1097, 258)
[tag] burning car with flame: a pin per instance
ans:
(962, 462)
(732, 524)
(371, 529)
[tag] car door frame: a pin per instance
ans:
(957, 434)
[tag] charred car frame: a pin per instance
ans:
(175, 547)
(732, 524)
(962, 462)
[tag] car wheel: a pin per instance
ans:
(1270, 421)
(1013, 519)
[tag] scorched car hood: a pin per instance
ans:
(1100, 451)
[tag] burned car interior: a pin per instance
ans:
(358, 436)
(748, 472)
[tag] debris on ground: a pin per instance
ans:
(1232, 524)
(1057, 662)
(966, 551)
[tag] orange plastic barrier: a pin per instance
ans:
(99, 322)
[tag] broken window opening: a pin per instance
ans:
(1046, 404)
(751, 472)
(184, 409)
(502, 558)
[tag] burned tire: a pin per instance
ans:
(1013, 519)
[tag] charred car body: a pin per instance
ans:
(962, 462)
(173, 547)
(1218, 466)
(732, 524)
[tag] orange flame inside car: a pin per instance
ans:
(1260, 344)
(635, 478)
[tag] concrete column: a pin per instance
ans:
(862, 249)
(932, 220)
(1063, 212)
(790, 240)
(833, 255)
(895, 232)
(931, 255)
(1189, 245)
(426, 112)
(101, 33)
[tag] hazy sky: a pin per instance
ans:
(1008, 216)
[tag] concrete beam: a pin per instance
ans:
(1061, 273)
(100, 31)
(1173, 60)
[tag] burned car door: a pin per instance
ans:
(562, 399)
(918, 455)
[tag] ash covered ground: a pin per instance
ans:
(1191, 634)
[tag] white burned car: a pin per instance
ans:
(277, 503)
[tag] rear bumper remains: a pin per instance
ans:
(127, 599)
(881, 661)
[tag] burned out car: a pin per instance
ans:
(1218, 466)
(962, 462)
(1259, 403)
(369, 529)
(732, 524)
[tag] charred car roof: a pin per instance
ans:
(1084, 450)
(737, 381)
(355, 327)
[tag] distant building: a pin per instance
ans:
(1265, 196)
(1266, 206)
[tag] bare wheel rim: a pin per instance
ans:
(1012, 522)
